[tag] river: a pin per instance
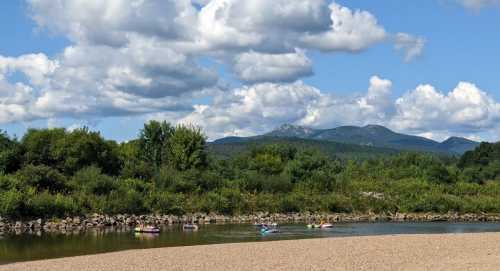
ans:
(26, 247)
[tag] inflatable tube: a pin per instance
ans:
(147, 230)
(190, 227)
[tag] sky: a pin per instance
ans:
(242, 68)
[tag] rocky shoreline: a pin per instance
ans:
(99, 221)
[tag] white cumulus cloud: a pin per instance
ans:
(349, 30)
(465, 109)
(260, 67)
(146, 57)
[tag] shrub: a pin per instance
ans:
(92, 181)
(338, 204)
(166, 203)
(42, 178)
(47, 205)
(11, 203)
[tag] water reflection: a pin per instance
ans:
(146, 236)
(38, 245)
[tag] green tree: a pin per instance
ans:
(81, 148)
(187, 148)
(133, 166)
(70, 152)
(153, 141)
(10, 154)
(39, 146)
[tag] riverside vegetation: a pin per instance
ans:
(55, 173)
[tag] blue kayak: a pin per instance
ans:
(267, 231)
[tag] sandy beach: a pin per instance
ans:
(396, 252)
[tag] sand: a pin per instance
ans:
(395, 252)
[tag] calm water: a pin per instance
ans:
(32, 247)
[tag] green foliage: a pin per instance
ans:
(40, 145)
(173, 180)
(306, 164)
(90, 180)
(47, 205)
(70, 151)
(338, 204)
(124, 201)
(10, 154)
(11, 203)
(166, 203)
(481, 164)
(153, 142)
(170, 170)
(230, 150)
(186, 148)
(42, 178)
(437, 172)
(81, 148)
(133, 165)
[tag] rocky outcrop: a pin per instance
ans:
(99, 221)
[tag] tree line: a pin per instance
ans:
(168, 169)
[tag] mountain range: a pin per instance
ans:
(369, 136)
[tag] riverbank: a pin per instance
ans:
(394, 252)
(83, 223)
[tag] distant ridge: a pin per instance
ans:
(230, 147)
(369, 135)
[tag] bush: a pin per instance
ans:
(176, 181)
(277, 184)
(125, 201)
(266, 203)
(166, 203)
(440, 203)
(293, 203)
(338, 204)
(11, 203)
(91, 181)
(42, 178)
(47, 205)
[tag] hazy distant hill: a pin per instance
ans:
(459, 144)
(370, 135)
(229, 147)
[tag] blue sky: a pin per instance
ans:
(20, 34)
(461, 45)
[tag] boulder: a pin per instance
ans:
(18, 225)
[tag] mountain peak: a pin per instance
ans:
(288, 126)
(375, 126)
(459, 144)
(454, 139)
(290, 130)
(378, 128)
